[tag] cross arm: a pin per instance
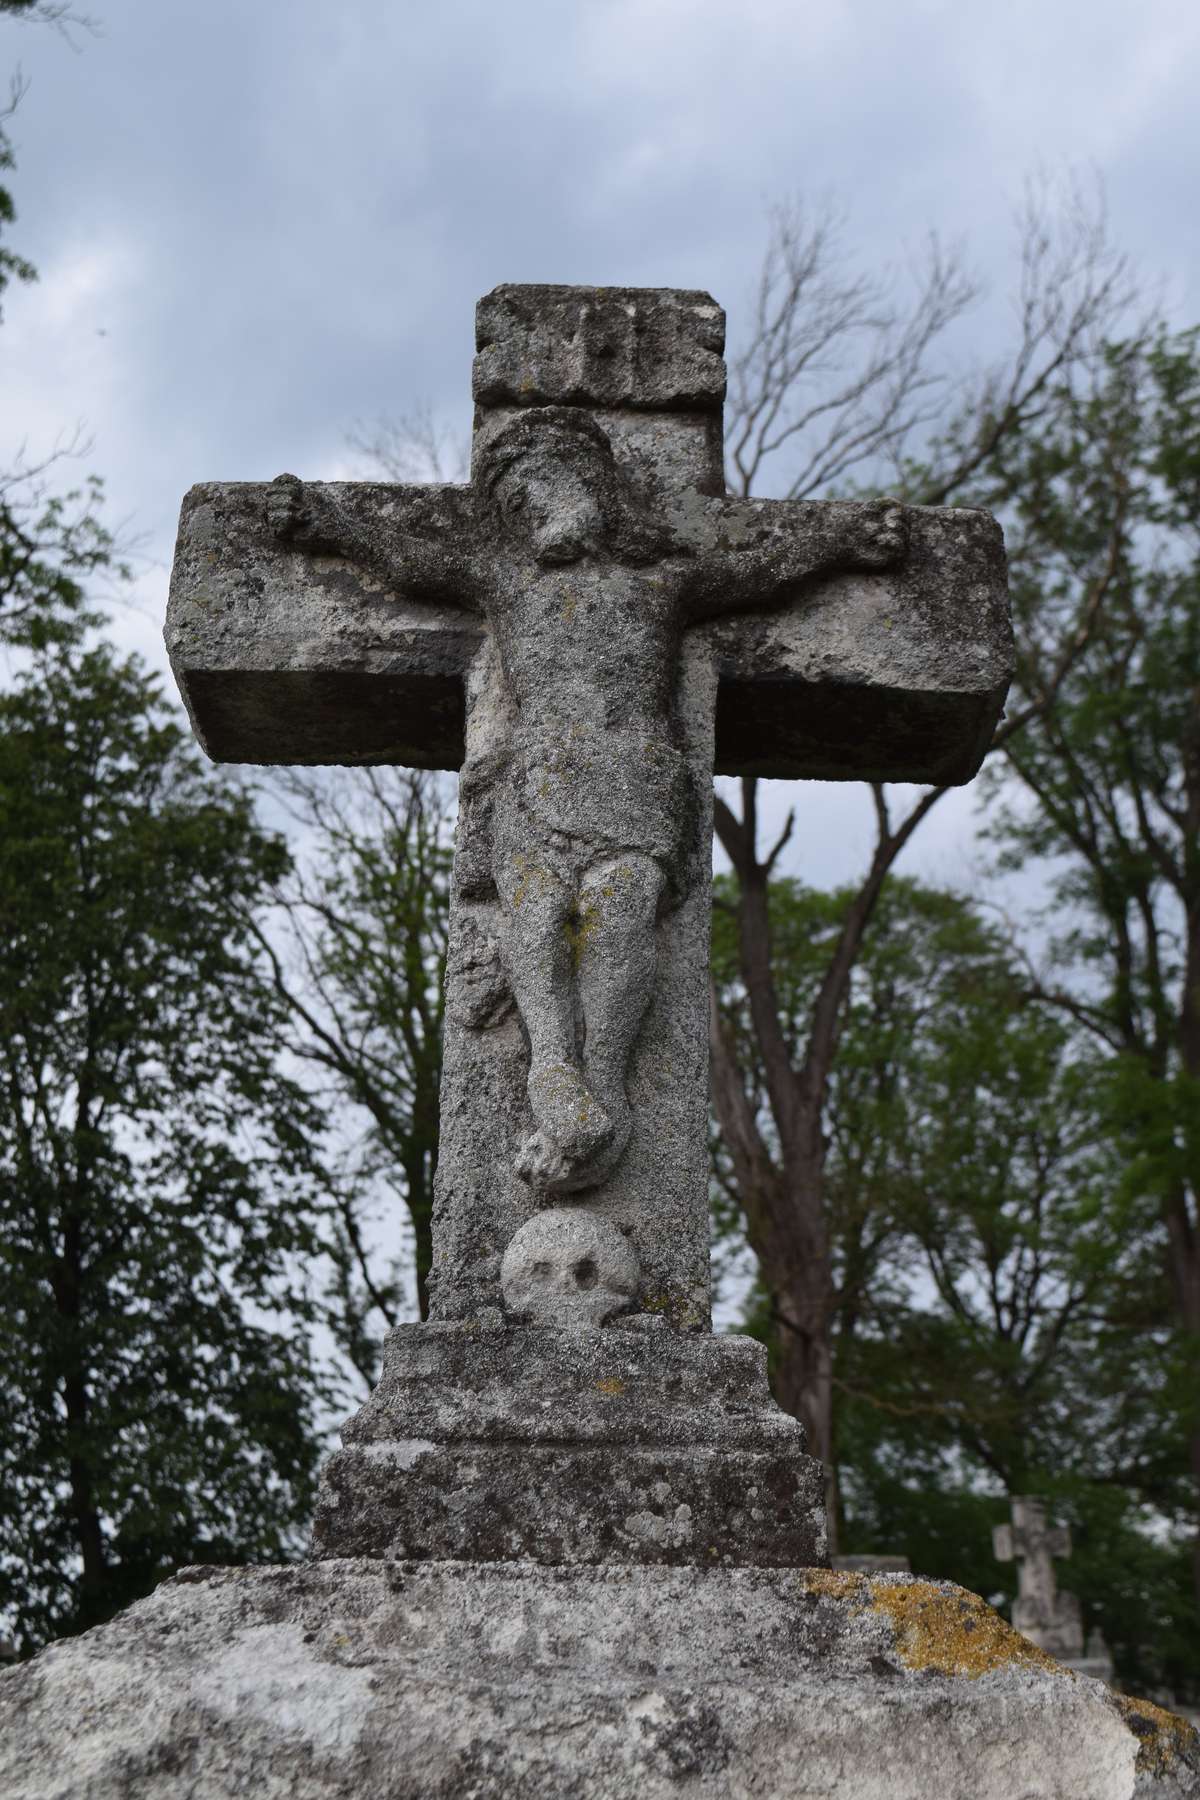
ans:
(293, 654)
(328, 518)
(768, 552)
(832, 669)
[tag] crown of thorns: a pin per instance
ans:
(543, 431)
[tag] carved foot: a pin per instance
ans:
(573, 1129)
(601, 1165)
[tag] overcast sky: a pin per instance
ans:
(260, 221)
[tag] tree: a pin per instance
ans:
(984, 1256)
(1107, 491)
(52, 546)
(46, 12)
(360, 966)
(158, 1180)
(884, 409)
(957, 1156)
(51, 543)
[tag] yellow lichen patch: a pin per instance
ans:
(612, 1384)
(834, 1584)
(953, 1633)
(532, 880)
(1163, 1736)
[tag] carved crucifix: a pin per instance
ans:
(587, 629)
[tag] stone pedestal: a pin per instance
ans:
(466, 1681)
(582, 1446)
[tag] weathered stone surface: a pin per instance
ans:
(442, 1681)
(282, 656)
(574, 628)
(629, 1384)
(572, 1504)
(573, 1446)
(569, 1267)
(641, 349)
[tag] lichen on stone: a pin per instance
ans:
(834, 1584)
(953, 1634)
(1163, 1737)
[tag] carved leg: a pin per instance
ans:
(617, 952)
(572, 1125)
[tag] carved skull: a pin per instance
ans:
(568, 1267)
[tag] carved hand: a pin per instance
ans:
(288, 514)
(878, 536)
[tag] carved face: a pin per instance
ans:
(568, 1267)
(554, 506)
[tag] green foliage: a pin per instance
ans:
(360, 964)
(157, 1174)
(999, 1324)
(12, 266)
(52, 545)
(1103, 792)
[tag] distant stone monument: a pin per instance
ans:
(569, 1546)
(1047, 1617)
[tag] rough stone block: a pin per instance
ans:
(439, 1681)
(653, 349)
(580, 1446)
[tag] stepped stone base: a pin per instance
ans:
(505, 1443)
(456, 1681)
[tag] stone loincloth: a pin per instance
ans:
(590, 796)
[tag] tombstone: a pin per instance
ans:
(1048, 1618)
(569, 1545)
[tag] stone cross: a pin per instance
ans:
(1048, 1618)
(587, 630)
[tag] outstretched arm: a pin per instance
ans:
(311, 517)
(769, 550)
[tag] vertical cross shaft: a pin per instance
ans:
(646, 367)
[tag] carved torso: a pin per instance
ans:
(592, 647)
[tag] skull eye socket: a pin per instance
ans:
(585, 1273)
(540, 1271)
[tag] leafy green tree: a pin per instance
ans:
(358, 955)
(1103, 791)
(984, 1252)
(837, 384)
(960, 1161)
(12, 266)
(46, 12)
(53, 545)
(158, 1183)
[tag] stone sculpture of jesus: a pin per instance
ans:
(587, 598)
